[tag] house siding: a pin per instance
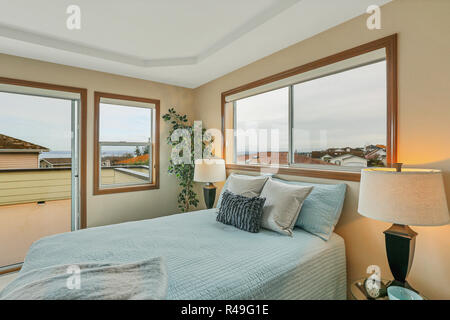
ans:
(19, 160)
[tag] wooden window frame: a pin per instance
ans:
(83, 131)
(148, 186)
(389, 43)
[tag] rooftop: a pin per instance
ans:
(136, 160)
(10, 144)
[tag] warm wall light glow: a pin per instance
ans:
(424, 159)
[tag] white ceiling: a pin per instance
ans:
(180, 42)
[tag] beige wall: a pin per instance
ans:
(114, 208)
(19, 160)
(424, 118)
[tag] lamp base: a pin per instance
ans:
(400, 246)
(209, 193)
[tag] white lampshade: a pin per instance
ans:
(209, 170)
(410, 197)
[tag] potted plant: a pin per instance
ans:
(184, 172)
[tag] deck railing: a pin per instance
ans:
(19, 186)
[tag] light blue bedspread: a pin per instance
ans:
(209, 260)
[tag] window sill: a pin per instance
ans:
(98, 191)
(296, 171)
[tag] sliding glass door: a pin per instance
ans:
(39, 167)
(75, 164)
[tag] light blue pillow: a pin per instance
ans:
(321, 209)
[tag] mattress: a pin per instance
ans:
(209, 260)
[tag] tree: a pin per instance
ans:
(137, 152)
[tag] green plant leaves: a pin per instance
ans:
(183, 172)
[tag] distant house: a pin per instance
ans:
(336, 152)
(277, 158)
(377, 155)
(55, 163)
(373, 147)
(299, 158)
(19, 154)
(349, 160)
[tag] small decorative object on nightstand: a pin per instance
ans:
(360, 292)
(209, 171)
(403, 197)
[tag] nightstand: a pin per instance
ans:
(357, 290)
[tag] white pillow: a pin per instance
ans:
(282, 206)
(247, 186)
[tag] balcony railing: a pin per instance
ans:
(19, 186)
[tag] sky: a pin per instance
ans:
(47, 121)
(40, 120)
(347, 109)
(119, 123)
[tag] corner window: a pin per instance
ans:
(126, 144)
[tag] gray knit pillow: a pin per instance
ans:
(242, 212)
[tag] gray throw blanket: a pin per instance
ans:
(143, 280)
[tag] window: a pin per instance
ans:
(340, 119)
(262, 128)
(338, 116)
(127, 142)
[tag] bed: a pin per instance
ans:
(207, 259)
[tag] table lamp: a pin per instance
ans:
(403, 197)
(209, 171)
